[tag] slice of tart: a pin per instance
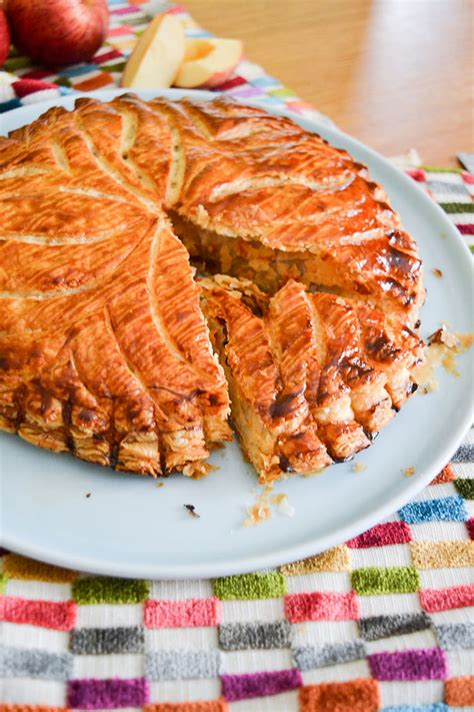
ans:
(312, 377)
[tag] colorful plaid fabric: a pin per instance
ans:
(453, 189)
(382, 622)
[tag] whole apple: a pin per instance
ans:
(4, 37)
(58, 32)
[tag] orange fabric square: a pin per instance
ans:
(447, 474)
(100, 80)
(200, 706)
(459, 691)
(352, 696)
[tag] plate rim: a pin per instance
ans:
(295, 551)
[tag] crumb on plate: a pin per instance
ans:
(262, 510)
(192, 510)
(443, 348)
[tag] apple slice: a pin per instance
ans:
(157, 56)
(208, 62)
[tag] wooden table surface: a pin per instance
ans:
(396, 74)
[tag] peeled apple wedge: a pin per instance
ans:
(157, 56)
(208, 62)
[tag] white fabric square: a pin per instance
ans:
(447, 489)
(32, 636)
(419, 639)
(455, 615)
(336, 673)
(444, 578)
(185, 690)
(262, 609)
(181, 590)
(389, 604)
(339, 581)
(107, 666)
(38, 590)
(460, 662)
(382, 556)
(36, 692)
(439, 531)
(202, 638)
(321, 632)
(421, 692)
(286, 702)
(105, 615)
(250, 661)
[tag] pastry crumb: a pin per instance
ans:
(409, 472)
(88, 494)
(262, 510)
(160, 484)
(443, 348)
(437, 272)
(359, 467)
(283, 504)
(257, 513)
(192, 510)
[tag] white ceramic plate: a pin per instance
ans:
(129, 527)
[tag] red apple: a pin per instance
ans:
(58, 32)
(4, 37)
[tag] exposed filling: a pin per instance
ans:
(270, 268)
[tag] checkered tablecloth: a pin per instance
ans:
(384, 621)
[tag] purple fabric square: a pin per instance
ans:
(94, 694)
(260, 684)
(422, 664)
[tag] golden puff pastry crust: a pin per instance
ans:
(104, 348)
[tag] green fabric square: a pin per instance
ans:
(250, 586)
(437, 169)
(63, 81)
(14, 63)
(457, 207)
(284, 92)
(372, 580)
(465, 487)
(3, 583)
(115, 67)
(98, 589)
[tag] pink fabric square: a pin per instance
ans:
(444, 599)
(182, 614)
(47, 614)
(322, 606)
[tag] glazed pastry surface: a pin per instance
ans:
(105, 348)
